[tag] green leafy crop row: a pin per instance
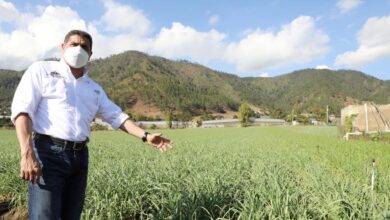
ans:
(232, 173)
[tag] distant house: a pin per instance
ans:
(221, 123)
(163, 124)
(205, 124)
(237, 123)
(314, 121)
(268, 121)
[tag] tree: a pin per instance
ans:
(184, 117)
(245, 112)
(278, 113)
(206, 116)
(168, 118)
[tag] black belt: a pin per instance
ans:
(71, 145)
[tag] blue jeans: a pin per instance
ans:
(61, 190)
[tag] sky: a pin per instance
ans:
(244, 37)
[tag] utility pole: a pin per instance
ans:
(292, 116)
(373, 175)
(365, 108)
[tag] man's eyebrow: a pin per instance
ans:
(82, 43)
(85, 43)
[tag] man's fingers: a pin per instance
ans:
(164, 147)
(160, 145)
(167, 144)
(26, 176)
(38, 175)
(30, 176)
(36, 180)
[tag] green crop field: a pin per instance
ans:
(232, 173)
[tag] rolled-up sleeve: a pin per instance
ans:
(110, 112)
(27, 95)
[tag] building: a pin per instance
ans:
(237, 123)
(367, 118)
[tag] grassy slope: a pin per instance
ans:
(253, 173)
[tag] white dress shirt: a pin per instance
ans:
(60, 105)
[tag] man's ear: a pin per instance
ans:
(62, 48)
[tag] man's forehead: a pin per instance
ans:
(77, 38)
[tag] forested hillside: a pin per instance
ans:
(179, 86)
(8, 81)
(183, 87)
(311, 90)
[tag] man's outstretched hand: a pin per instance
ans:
(159, 142)
(156, 140)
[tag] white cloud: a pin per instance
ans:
(57, 21)
(8, 11)
(213, 20)
(39, 36)
(108, 45)
(36, 38)
(373, 41)
(184, 41)
(265, 75)
(323, 67)
(124, 18)
(347, 5)
(297, 42)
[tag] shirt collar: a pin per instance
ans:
(69, 72)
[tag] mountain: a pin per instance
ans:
(311, 90)
(151, 85)
(132, 76)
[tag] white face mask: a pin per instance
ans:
(76, 57)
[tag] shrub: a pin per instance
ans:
(245, 112)
(349, 123)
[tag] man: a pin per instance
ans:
(58, 101)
